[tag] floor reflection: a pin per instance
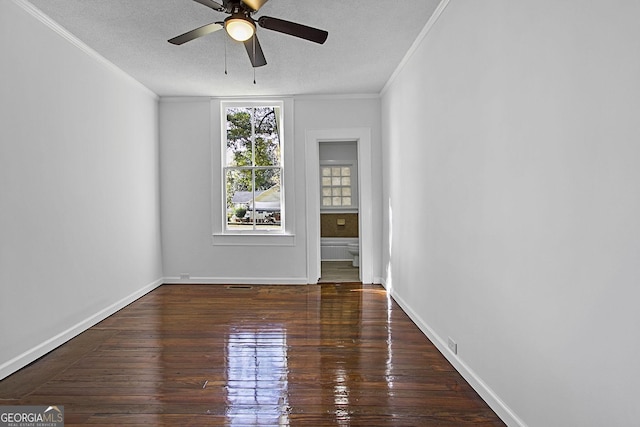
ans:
(340, 319)
(257, 377)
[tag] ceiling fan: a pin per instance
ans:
(241, 26)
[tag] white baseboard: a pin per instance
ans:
(45, 347)
(236, 281)
(486, 393)
(172, 280)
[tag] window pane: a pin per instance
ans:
(267, 136)
(346, 181)
(335, 171)
(326, 201)
(239, 196)
(267, 206)
(326, 191)
(267, 178)
(335, 181)
(346, 191)
(337, 201)
(346, 201)
(336, 191)
(346, 171)
(326, 171)
(326, 182)
(238, 137)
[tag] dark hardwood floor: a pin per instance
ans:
(196, 355)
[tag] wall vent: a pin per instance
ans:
(239, 287)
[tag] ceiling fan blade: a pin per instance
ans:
(194, 34)
(256, 55)
(212, 4)
(255, 5)
(293, 29)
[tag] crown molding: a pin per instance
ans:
(62, 32)
(347, 96)
(423, 34)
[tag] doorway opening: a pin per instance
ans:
(339, 225)
(360, 205)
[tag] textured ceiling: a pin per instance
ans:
(367, 40)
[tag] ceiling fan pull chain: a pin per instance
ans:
(225, 56)
(254, 55)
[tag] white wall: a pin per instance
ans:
(331, 116)
(79, 209)
(186, 186)
(511, 136)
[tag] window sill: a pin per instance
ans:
(253, 239)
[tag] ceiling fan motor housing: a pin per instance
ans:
(240, 26)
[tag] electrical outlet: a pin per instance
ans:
(184, 276)
(453, 346)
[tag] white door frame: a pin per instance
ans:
(313, 138)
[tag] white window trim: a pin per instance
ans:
(222, 236)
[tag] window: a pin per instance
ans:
(335, 182)
(253, 168)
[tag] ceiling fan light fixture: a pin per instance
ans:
(239, 27)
